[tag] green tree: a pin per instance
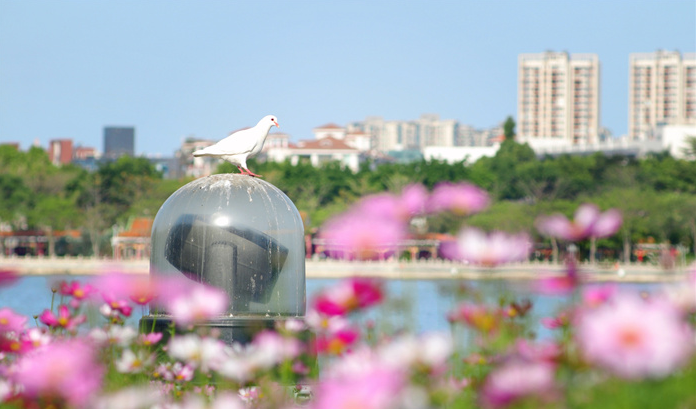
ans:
(509, 129)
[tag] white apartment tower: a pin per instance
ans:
(558, 97)
(662, 91)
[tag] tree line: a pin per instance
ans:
(656, 194)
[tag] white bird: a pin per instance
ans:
(241, 145)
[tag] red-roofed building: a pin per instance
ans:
(329, 131)
(134, 243)
(325, 150)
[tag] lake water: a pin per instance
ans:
(414, 305)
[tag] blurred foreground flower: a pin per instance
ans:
(519, 379)
(460, 199)
(412, 202)
(588, 222)
(481, 317)
(64, 318)
(58, 373)
(489, 250)
(349, 295)
(375, 389)
(200, 303)
(8, 277)
(11, 321)
(362, 235)
(635, 338)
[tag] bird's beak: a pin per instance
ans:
(276, 124)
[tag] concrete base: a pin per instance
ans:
(229, 329)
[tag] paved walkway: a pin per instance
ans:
(437, 269)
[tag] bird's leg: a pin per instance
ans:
(242, 170)
(250, 173)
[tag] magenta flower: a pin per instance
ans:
(553, 322)
(76, 290)
(8, 277)
(349, 295)
(363, 235)
(545, 351)
(336, 342)
(412, 202)
(490, 250)
(559, 285)
(518, 379)
(375, 389)
(588, 222)
(461, 199)
(596, 295)
(59, 372)
(63, 319)
(482, 317)
(117, 288)
(150, 339)
(635, 338)
(11, 321)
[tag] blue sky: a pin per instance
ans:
(204, 68)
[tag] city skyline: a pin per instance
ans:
(206, 69)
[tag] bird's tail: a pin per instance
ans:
(201, 152)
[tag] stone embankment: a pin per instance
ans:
(435, 269)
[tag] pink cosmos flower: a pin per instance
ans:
(275, 347)
(553, 322)
(249, 395)
(461, 199)
(596, 295)
(484, 318)
(204, 353)
(375, 389)
(518, 379)
(150, 339)
(199, 303)
(114, 308)
(349, 295)
(134, 362)
(544, 351)
(362, 235)
(492, 249)
(121, 335)
(35, 338)
(427, 353)
(336, 342)
(635, 338)
(64, 318)
(177, 372)
(11, 321)
(76, 289)
(412, 202)
(588, 222)
(559, 285)
(62, 371)
(118, 290)
(10, 342)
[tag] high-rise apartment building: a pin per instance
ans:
(428, 130)
(662, 91)
(558, 97)
(118, 141)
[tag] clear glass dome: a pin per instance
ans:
(238, 233)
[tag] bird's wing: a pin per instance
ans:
(238, 143)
